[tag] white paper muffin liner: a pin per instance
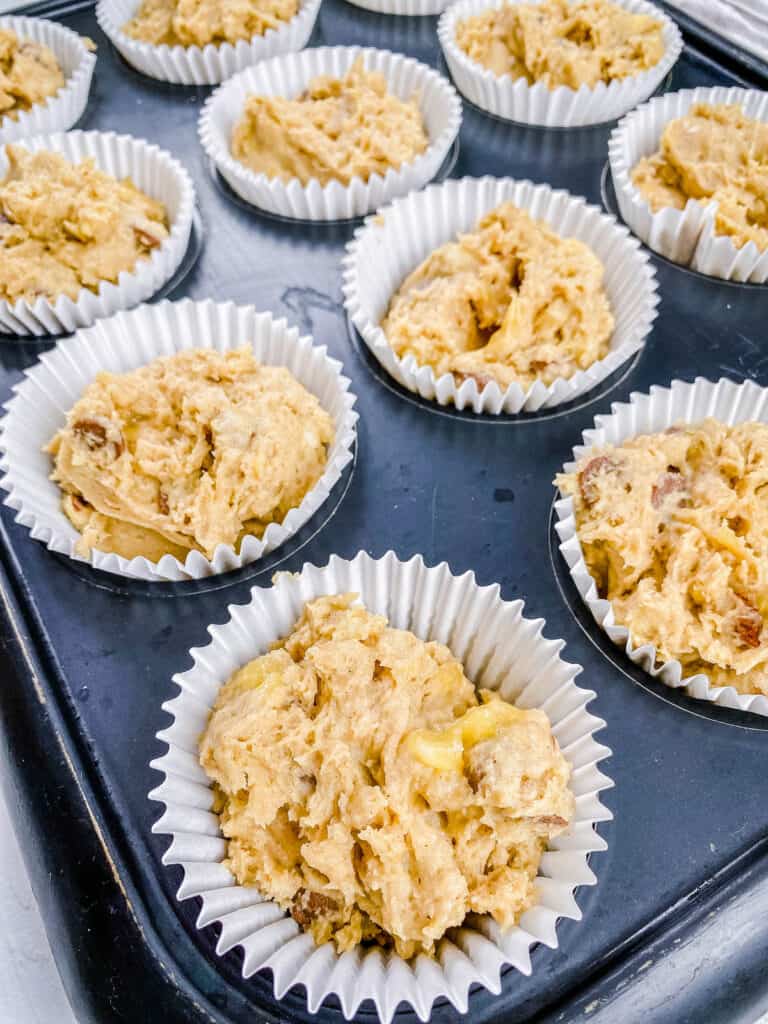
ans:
(500, 650)
(125, 342)
(651, 413)
(207, 65)
(412, 8)
(64, 108)
(515, 100)
(155, 172)
(391, 244)
(289, 76)
(685, 236)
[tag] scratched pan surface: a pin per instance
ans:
(675, 929)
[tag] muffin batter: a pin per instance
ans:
(673, 527)
(561, 43)
(199, 22)
(339, 129)
(29, 74)
(713, 154)
(67, 226)
(510, 301)
(362, 786)
(190, 451)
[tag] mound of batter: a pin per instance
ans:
(199, 22)
(510, 301)
(67, 226)
(29, 74)
(673, 527)
(362, 786)
(561, 43)
(339, 129)
(190, 451)
(712, 154)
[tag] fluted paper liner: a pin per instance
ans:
(155, 172)
(392, 243)
(652, 413)
(289, 76)
(412, 8)
(125, 342)
(501, 650)
(206, 65)
(515, 100)
(64, 108)
(685, 236)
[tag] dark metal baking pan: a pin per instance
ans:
(676, 929)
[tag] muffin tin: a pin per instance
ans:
(677, 926)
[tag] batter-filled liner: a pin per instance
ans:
(500, 650)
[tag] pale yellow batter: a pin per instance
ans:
(510, 301)
(561, 43)
(339, 129)
(199, 22)
(29, 74)
(362, 786)
(188, 452)
(712, 154)
(64, 227)
(674, 529)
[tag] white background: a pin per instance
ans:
(30, 988)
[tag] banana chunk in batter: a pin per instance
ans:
(188, 452)
(29, 74)
(712, 154)
(510, 301)
(559, 42)
(673, 527)
(363, 786)
(64, 226)
(339, 129)
(199, 22)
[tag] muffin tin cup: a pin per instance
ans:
(155, 172)
(207, 65)
(130, 340)
(64, 109)
(684, 236)
(651, 413)
(500, 650)
(398, 238)
(515, 100)
(289, 76)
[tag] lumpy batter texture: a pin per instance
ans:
(562, 43)
(190, 451)
(199, 22)
(339, 129)
(712, 154)
(510, 301)
(29, 74)
(674, 529)
(64, 226)
(362, 785)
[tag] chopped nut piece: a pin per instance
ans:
(309, 905)
(590, 491)
(671, 482)
(93, 433)
(144, 237)
(552, 820)
(749, 625)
